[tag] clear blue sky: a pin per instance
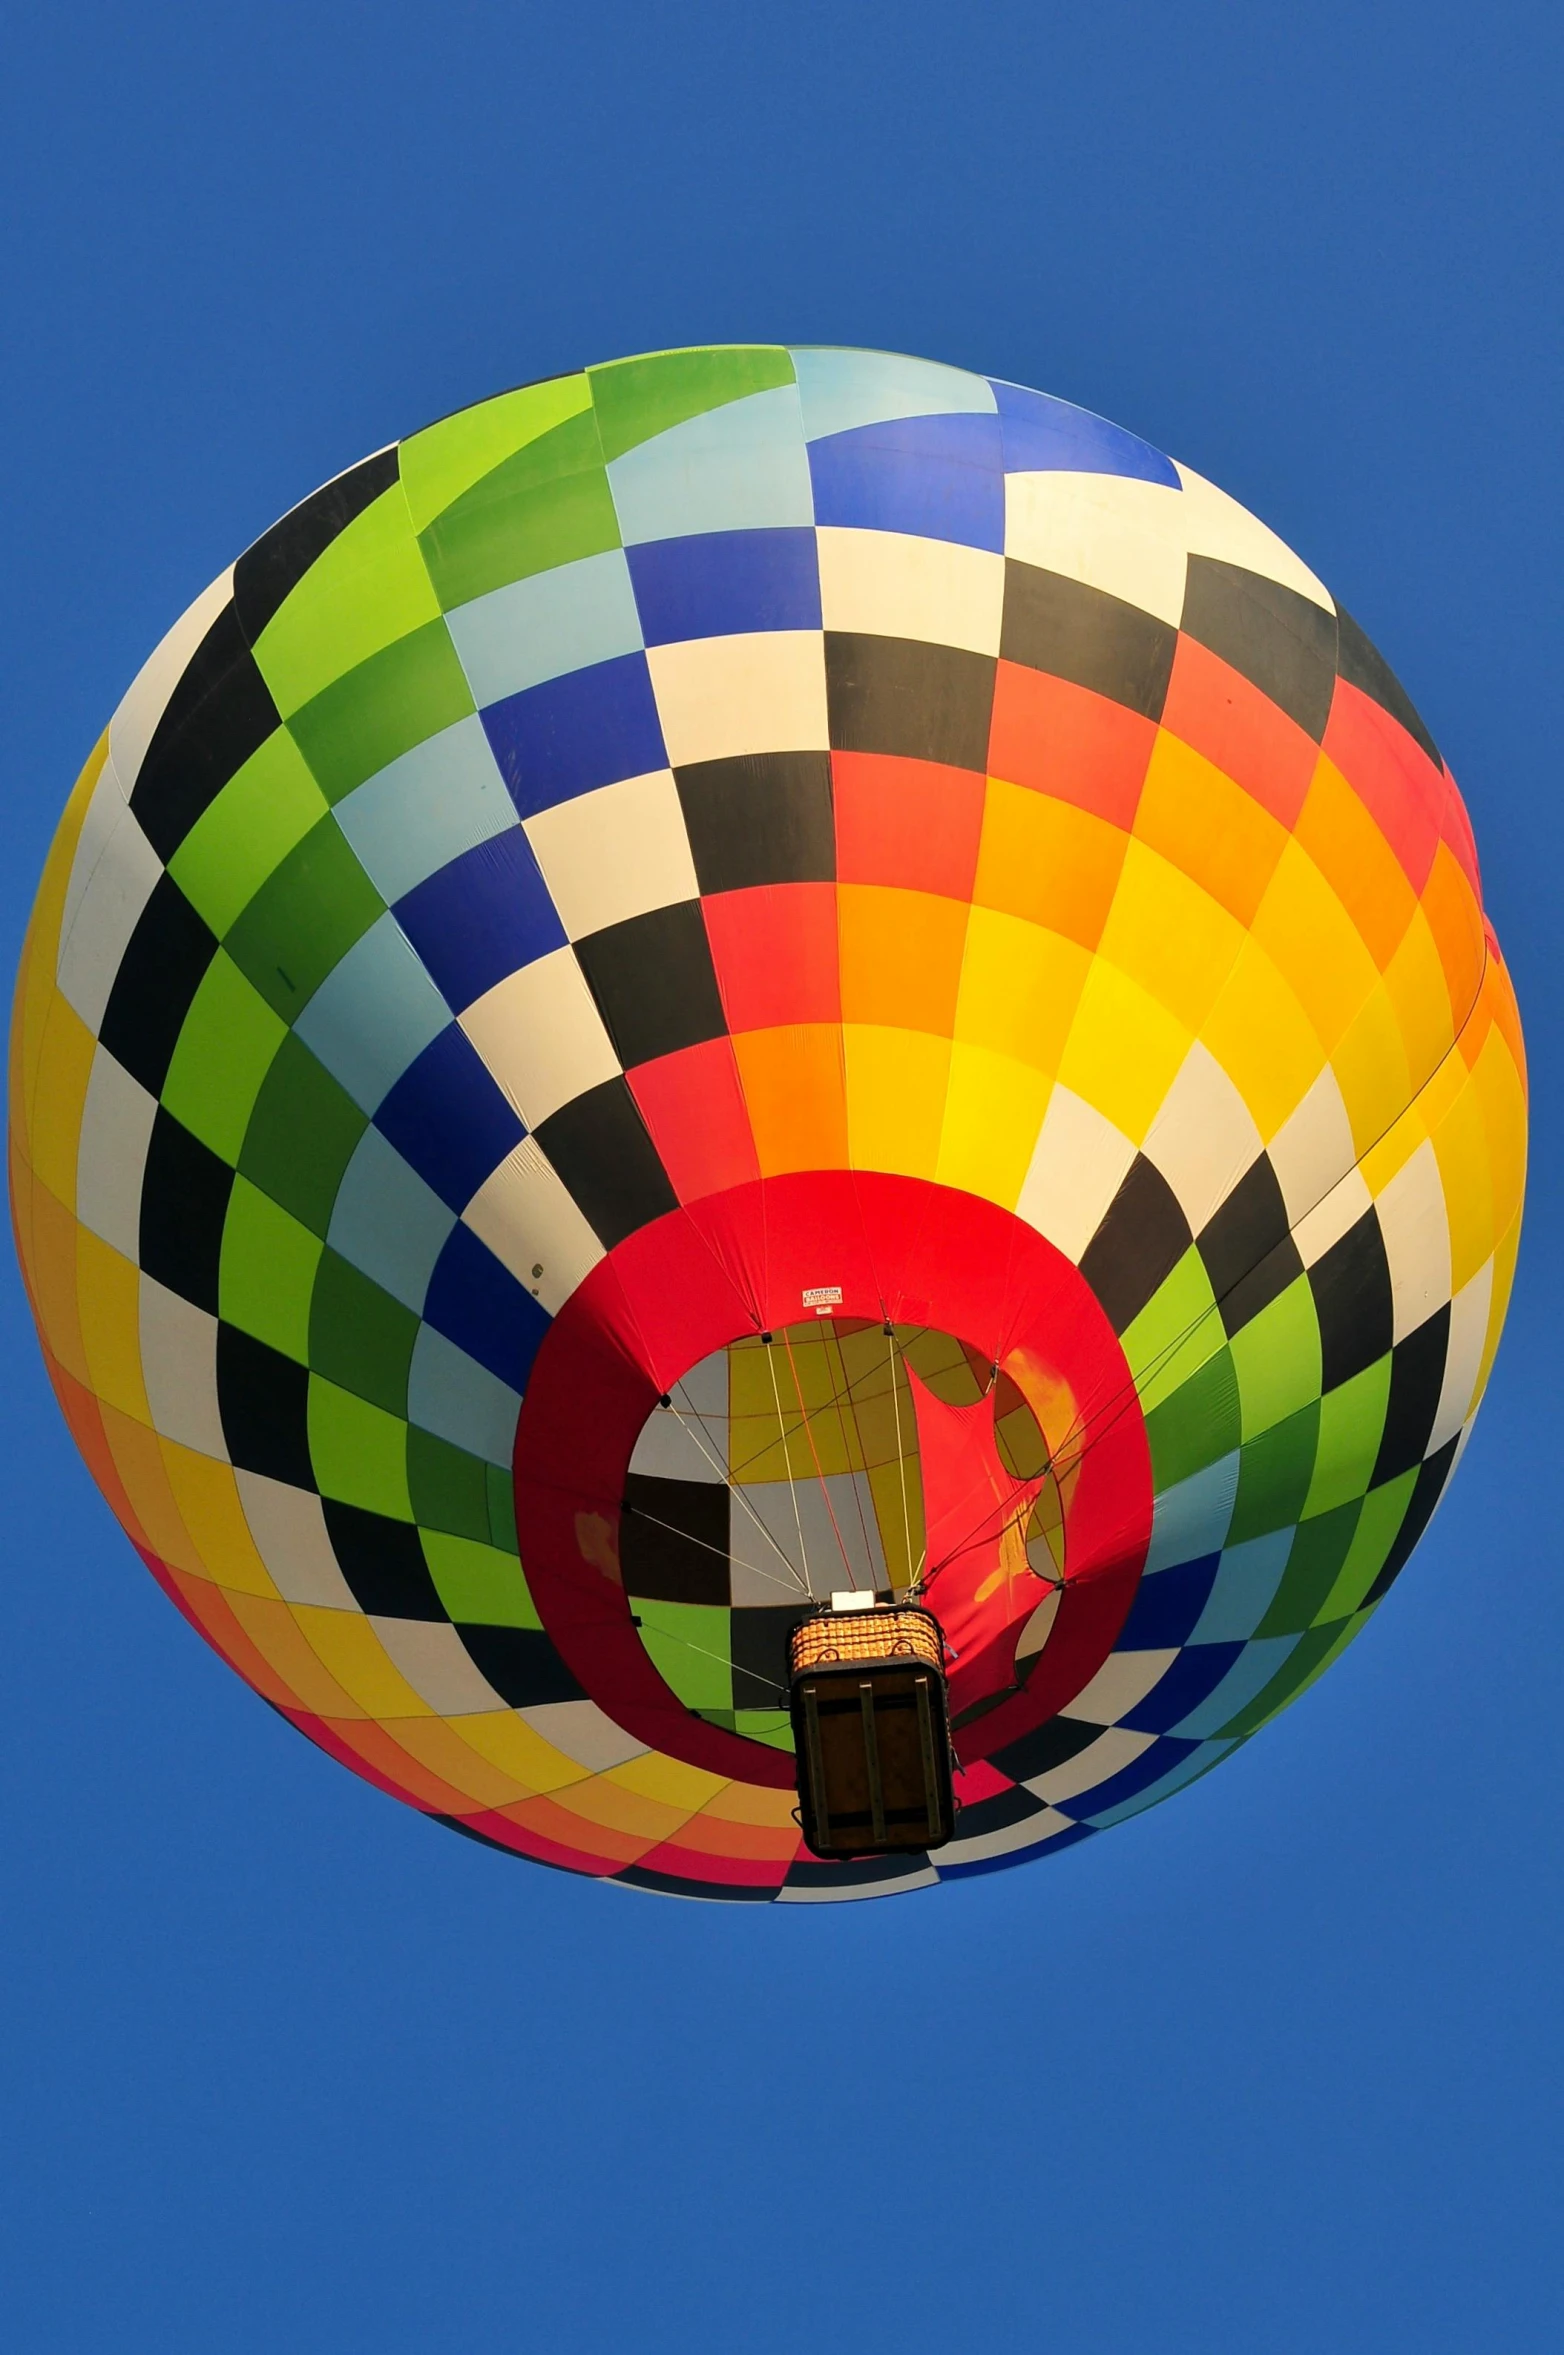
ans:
(1274, 2067)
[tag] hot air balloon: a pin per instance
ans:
(762, 1124)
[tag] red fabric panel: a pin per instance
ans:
(1402, 790)
(1226, 719)
(1064, 740)
(911, 823)
(774, 950)
(694, 1107)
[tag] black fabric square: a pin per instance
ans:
(653, 982)
(997, 1813)
(1351, 1287)
(1280, 640)
(758, 1643)
(279, 559)
(521, 1664)
(1074, 632)
(220, 712)
(160, 972)
(599, 1148)
(1044, 1748)
(1363, 666)
(383, 1563)
(673, 1540)
(1431, 1479)
(765, 817)
(1248, 1251)
(264, 1399)
(184, 1202)
(1141, 1240)
(1417, 1376)
(899, 695)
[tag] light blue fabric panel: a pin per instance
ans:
(442, 798)
(374, 1014)
(449, 1394)
(545, 626)
(1192, 1519)
(843, 389)
(1246, 1584)
(1250, 1673)
(1187, 1769)
(742, 467)
(387, 1222)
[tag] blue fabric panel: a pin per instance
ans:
(1245, 1587)
(1193, 1516)
(1196, 1761)
(540, 628)
(1250, 1673)
(425, 809)
(840, 389)
(939, 477)
(576, 733)
(1166, 1606)
(451, 1395)
(1043, 436)
(387, 1222)
(479, 1305)
(1130, 1781)
(1197, 1671)
(741, 467)
(482, 917)
(719, 584)
(1001, 1864)
(375, 1011)
(448, 1120)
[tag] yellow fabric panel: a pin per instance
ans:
(1460, 1144)
(1370, 1063)
(435, 1743)
(138, 1459)
(1124, 1049)
(755, 1803)
(1415, 986)
(1503, 1101)
(209, 1505)
(352, 1652)
(276, 1634)
(994, 1109)
(51, 1266)
(1047, 861)
(41, 945)
(599, 1801)
(1503, 1280)
(517, 1749)
(667, 1780)
(900, 956)
(1020, 985)
(1264, 1041)
(795, 1095)
(65, 1051)
(1357, 862)
(108, 1291)
(1169, 935)
(1208, 827)
(896, 1086)
(1315, 944)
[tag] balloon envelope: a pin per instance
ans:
(747, 973)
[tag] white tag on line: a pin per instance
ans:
(820, 1297)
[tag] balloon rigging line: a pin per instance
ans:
(901, 1460)
(846, 1399)
(688, 1420)
(787, 1459)
(798, 1389)
(723, 1553)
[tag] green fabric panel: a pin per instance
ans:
(267, 1272)
(446, 459)
(225, 1048)
(1352, 1418)
(1302, 1665)
(359, 1453)
(404, 694)
(502, 1508)
(689, 1646)
(360, 1337)
(1384, 1510)
(302, 922)
(636, 398)
(547, 505)
(479, 1585)
(1277, 1358)
(302, 1135)
(264, 809)
(1318, 1550)
(1273, 1476)
(448, 1487)
(364, 591)
(770, 1726)
(1196, 1425)
(1176, 1332)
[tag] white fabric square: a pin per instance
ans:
(893, 585)
(116, 1128)
(145, 700)
(113, 875)
(1313, 1149)
(1417, 1239)
(615, 853)
(1113, 533)
(1469, 1314)
(438, 1666)
(1046, 1824)
(527, 1219)
(761, 692)
(1110, 1754)
(1203, 1138)
(289, 1529)
(179, 1367)
(1120, 1685)
(541, 1036)
(1078, 1164)
(580, 1731)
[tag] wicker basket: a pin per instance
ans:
(889, 1632)
(871, 1730)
